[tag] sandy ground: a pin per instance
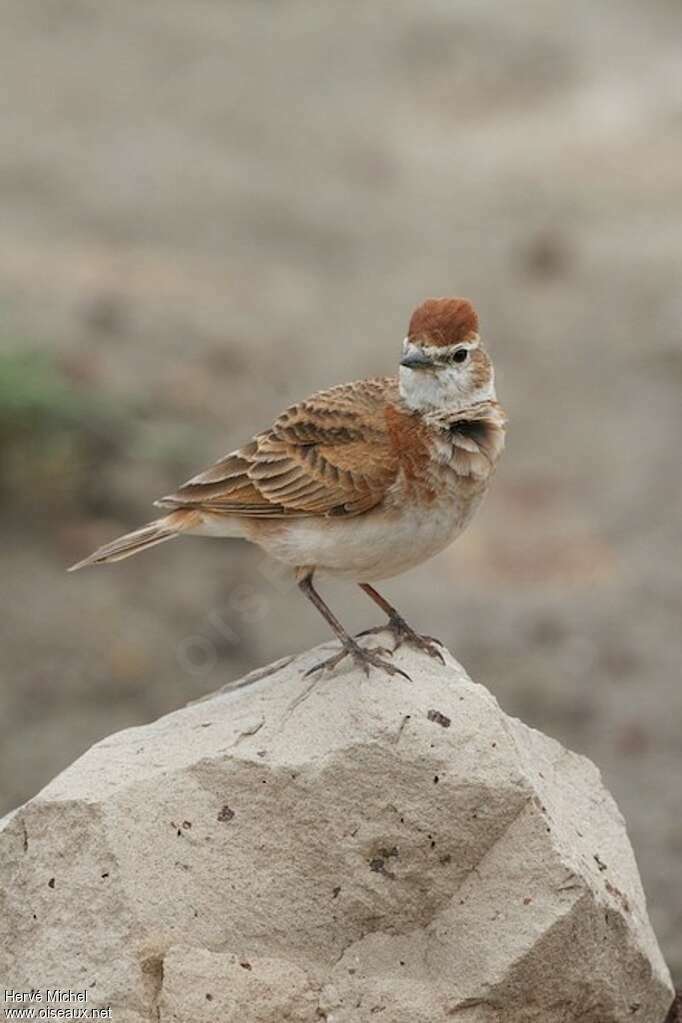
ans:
(209, 210)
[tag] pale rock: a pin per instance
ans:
(347, 849)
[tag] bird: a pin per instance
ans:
(361, 481)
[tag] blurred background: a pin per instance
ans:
(209, 210)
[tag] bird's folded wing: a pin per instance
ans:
(329, 455)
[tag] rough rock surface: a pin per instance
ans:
(345, 849)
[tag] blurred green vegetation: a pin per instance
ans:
(56, 437)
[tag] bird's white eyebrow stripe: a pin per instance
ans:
(441, 350)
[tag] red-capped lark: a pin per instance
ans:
(361, 481)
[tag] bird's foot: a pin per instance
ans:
(365, 659)
(403, 633)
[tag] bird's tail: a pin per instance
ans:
(155, 532)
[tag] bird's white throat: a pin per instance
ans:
(444, 388)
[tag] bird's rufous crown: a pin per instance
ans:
(443, 321)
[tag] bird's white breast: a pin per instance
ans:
(370, 547)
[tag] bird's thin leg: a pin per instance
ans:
(366, 659)
(402, 632)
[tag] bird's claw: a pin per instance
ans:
(363, 658)
(402, 633)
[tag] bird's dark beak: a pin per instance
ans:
(416, 360)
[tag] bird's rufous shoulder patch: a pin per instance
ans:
(409, 441)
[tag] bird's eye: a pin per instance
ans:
(460, 355)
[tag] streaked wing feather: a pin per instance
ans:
(328, 455)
